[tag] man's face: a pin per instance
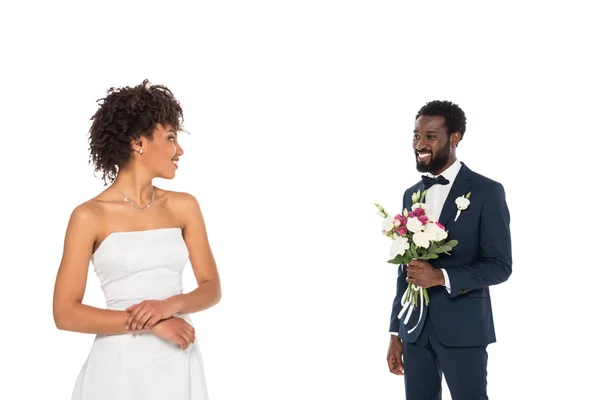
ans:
(432, 144)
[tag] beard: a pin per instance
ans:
(436, 162)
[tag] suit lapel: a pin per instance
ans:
(420, 188)
(460, 187)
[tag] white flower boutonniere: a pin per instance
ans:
(462, 203)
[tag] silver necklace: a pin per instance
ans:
(132, 204)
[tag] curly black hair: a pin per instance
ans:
(126, 114)
(455, 118)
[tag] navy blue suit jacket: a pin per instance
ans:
(481, 259)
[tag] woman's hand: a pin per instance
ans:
(145, 315)
(176, 330)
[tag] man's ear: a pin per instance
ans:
(455, 138)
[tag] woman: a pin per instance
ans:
(139, 238)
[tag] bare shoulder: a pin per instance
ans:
(81, 233)
(178, 200)
(184, 206)
(181, 198)
(87, 213)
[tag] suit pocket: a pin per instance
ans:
(477, 293)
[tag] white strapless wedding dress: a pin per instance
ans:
(136, 266)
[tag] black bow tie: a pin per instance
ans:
(429, 181)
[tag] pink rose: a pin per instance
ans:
(411, 214)
(423, 218)
(403, 231)
(403, 220)
(440, 225)
(418, 212)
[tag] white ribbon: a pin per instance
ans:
(457, 214)
(408, 307)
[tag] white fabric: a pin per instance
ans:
(437, 194)
(135, 266)
(436, 197)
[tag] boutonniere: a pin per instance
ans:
(462, 203)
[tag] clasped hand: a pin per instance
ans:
(157, 316)
(423, 274)
(148, 313)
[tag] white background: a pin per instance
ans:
(301, 116)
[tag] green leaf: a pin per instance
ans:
(468, 195)
(435, 248)
(451, 243)
(421, 252)
(405, 259)
(413, 250)
(432, 256)
(395, 260)
(400, 259)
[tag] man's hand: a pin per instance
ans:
(423, 274)
(394, 356)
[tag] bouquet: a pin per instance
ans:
(415, 237)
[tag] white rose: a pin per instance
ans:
(399, 246)
(435, 232)
(388, 224)
(421, 239)
(462, 203)
(414, 225)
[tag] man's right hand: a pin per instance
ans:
(394, 356)
(176, 330)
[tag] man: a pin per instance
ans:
(457, 325)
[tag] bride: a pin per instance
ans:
(138, 238)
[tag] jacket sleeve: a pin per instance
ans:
(494, 265)
(401, 286)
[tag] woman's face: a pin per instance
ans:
(161, 154)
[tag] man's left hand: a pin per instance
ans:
(423, 274)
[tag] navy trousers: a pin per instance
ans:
(464, 368)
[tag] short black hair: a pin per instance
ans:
(126, 114)
(455, 118)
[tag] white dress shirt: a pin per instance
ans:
(434, 201)
(436, 197)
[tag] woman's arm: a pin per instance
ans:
(203, 263)
(147, 313)
(69, 313)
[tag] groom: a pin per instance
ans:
(457, 325)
